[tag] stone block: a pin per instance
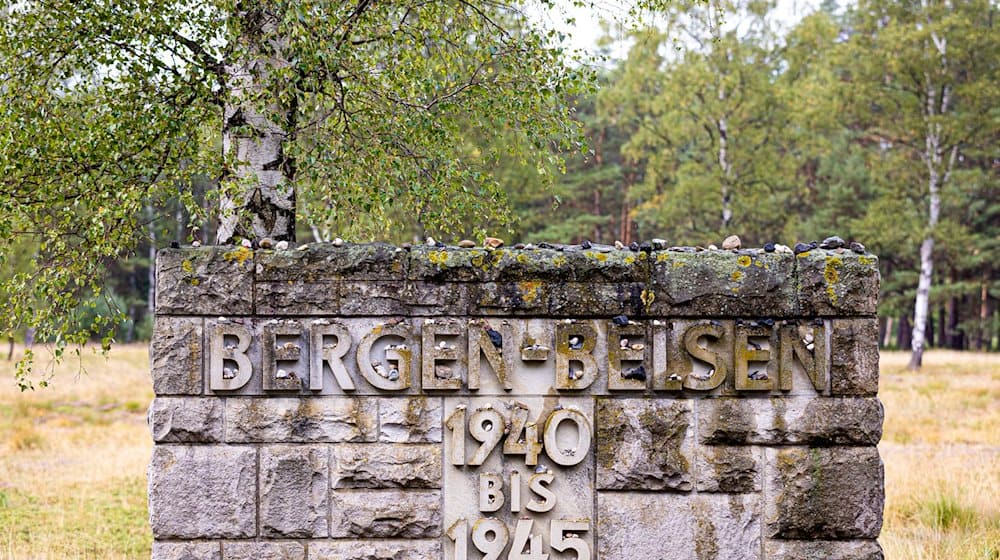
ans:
(727, 469)
(640, 526)
(723, 283)
(790, 421)
(854, 357)
(728, 526)
(411, 514)
(263, 551)
(315, 419)
(375, 550)
(186, 419)
(832, 284)
(410, 420)
(297, 298)
(644, 444)
(824, 493)
(294, 491)
(323, 262)
(205, 491)
(377, 465)
(204, 281)
(827, 550)
(176, 355)
(186, 551)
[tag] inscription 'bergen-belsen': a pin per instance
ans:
(681, 354)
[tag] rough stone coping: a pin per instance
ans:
(381, 279)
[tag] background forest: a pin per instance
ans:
(878, 122)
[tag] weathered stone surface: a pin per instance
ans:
(369, 465)
(317, 419)
(728, 527)
(205, 491)
(790, 421)
(510, 298)
(824, 493)
(640, 526)
(854, 357)
(375, 550)
(297, 298)
(827, 550)
(373, 298)
(294, 490)
(176, 355)
(644, 444)
(728, 469)
(204, 281)
(186, 419)
(719, 283)
(263, 551)
(322, 262)
(833, 283)
(412, 514)
(452, 264)
(636, 526)
(410, 420)
(186, 551)
(436, 299)
(584, 299)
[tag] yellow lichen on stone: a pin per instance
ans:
(523, 259)
(601, 257)
(679, 264)
(239, 254)
(830, 273)
(744, 260)
(662, 257)
(529, 291)
(647, 297)
(439, 258)
(195, 281)
(867, 261)
(187, 267)
(559, 260)
(736, 276)
(832, 276)
(629, 259)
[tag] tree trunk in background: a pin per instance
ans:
(984, 307)
(956, 339)
(887, 336)
(904, 337)
(10, 348)
(258, 196)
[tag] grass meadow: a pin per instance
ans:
(73, 459)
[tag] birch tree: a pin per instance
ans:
(925, 77)
(325, 109)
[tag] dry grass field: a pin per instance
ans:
(73, 459)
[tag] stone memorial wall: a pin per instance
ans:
(368, 402)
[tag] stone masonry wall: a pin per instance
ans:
(366, 402)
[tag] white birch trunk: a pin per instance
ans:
(258, 197)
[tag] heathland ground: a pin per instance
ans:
(73, 459)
